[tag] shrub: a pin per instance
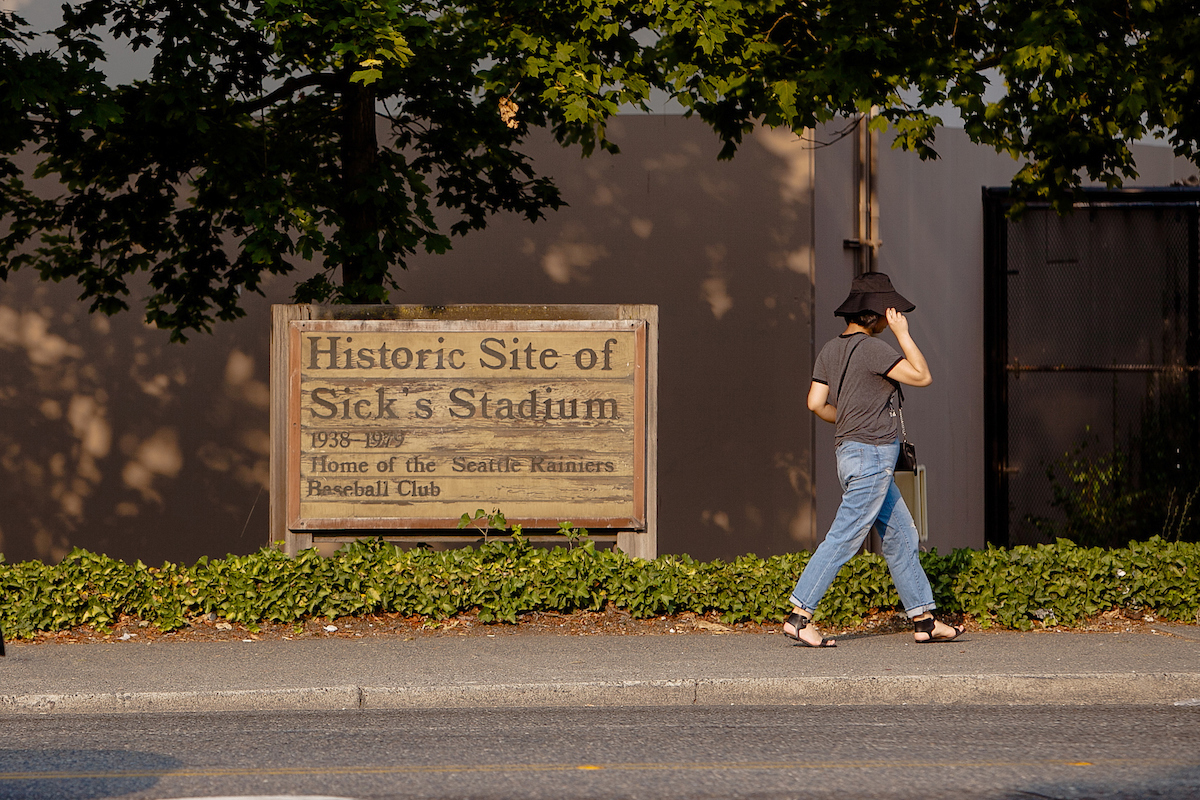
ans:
(500, 580)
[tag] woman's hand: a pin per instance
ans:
(896, 321)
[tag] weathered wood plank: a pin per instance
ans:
(281, 400)
(405, 417)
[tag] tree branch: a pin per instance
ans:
(289, 87)
(987, 62)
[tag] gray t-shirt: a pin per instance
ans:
(865, 411)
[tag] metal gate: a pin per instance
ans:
(1092, 348)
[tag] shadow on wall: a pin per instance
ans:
(725, 250)
(119, 442)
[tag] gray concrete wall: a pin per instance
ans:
(932, 229)
(115, 440)
(931, 226)
(118, 441)
(723, 248)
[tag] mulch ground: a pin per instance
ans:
(611, 622)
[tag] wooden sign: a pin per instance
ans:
(409, 423)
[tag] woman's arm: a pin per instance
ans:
(818, 402)
(912, 369)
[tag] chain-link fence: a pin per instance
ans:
(1095, 370)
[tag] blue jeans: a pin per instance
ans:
(869, 497)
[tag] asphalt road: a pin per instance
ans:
(1097, 752)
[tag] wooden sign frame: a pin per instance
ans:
(627, 514)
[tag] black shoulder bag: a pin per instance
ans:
(907, 460)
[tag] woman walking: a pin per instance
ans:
(856, 386)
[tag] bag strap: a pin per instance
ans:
(846, 367)
(900, 411)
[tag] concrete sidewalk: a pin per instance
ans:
(514, 669)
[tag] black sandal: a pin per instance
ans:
(800, 622)
(927, 626)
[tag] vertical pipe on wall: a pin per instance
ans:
(866, 225)
(814, 534)
(866, 220)
(871, 212)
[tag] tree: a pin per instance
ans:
(1079, 80)
(255, 141)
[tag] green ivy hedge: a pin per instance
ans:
(1012, 588)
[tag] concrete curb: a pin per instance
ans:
(1082, 689)
(334, 698)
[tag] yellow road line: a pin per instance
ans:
(219, 772)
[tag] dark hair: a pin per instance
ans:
(864, 318)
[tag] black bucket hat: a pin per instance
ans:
(873, 292)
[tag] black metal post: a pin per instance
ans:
(995, 362)
(1193, 321)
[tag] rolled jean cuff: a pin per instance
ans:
(798, 604)
(919, 610)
